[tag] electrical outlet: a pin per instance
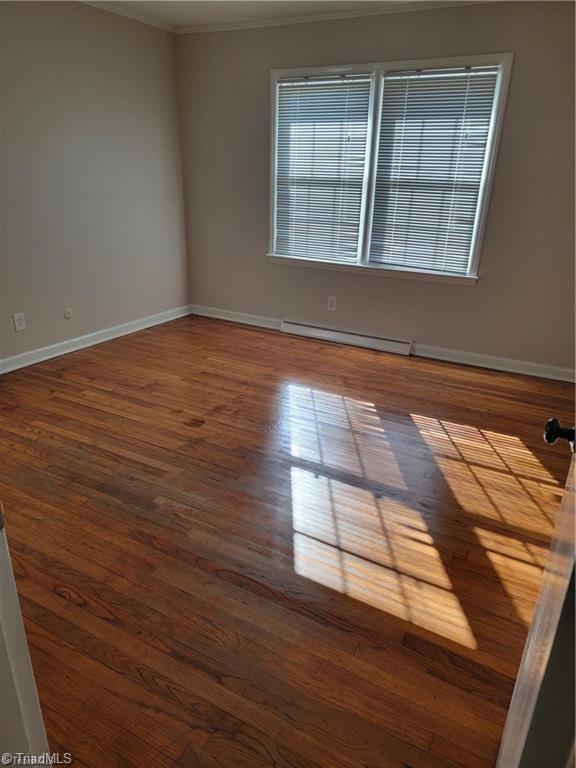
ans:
(19, 321)
(332, 303)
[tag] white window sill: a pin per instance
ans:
(435, 277)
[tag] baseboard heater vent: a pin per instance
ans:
(399, 346)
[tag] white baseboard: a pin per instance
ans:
(493, 362)
(236, 317)
(90, 339)
(422, 350)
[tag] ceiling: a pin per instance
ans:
(214, 15)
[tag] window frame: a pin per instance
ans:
(377, 71)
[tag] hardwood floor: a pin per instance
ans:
(234, 547)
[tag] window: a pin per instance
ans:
(386, 166)
(322, 130)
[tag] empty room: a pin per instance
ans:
(287, 384)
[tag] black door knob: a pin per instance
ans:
(553, 431)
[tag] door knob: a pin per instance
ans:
(553, 431)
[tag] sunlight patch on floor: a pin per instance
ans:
(352, 519)
(425, 605)
(518, 458)
(481, 469)
(368, 495)
(342, 540)
(513, 547)
(341, 433)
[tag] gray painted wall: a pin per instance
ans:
(527, 258)
(91, 172)
(93, 211)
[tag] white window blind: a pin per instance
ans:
(321, 145)
(386, 166)
(434, 129)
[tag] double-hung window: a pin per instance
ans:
(386, 166)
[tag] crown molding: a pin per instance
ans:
(405, 7)
(112, 8)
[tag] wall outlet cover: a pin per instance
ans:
(19, 321)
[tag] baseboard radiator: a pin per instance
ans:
(399, 346)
